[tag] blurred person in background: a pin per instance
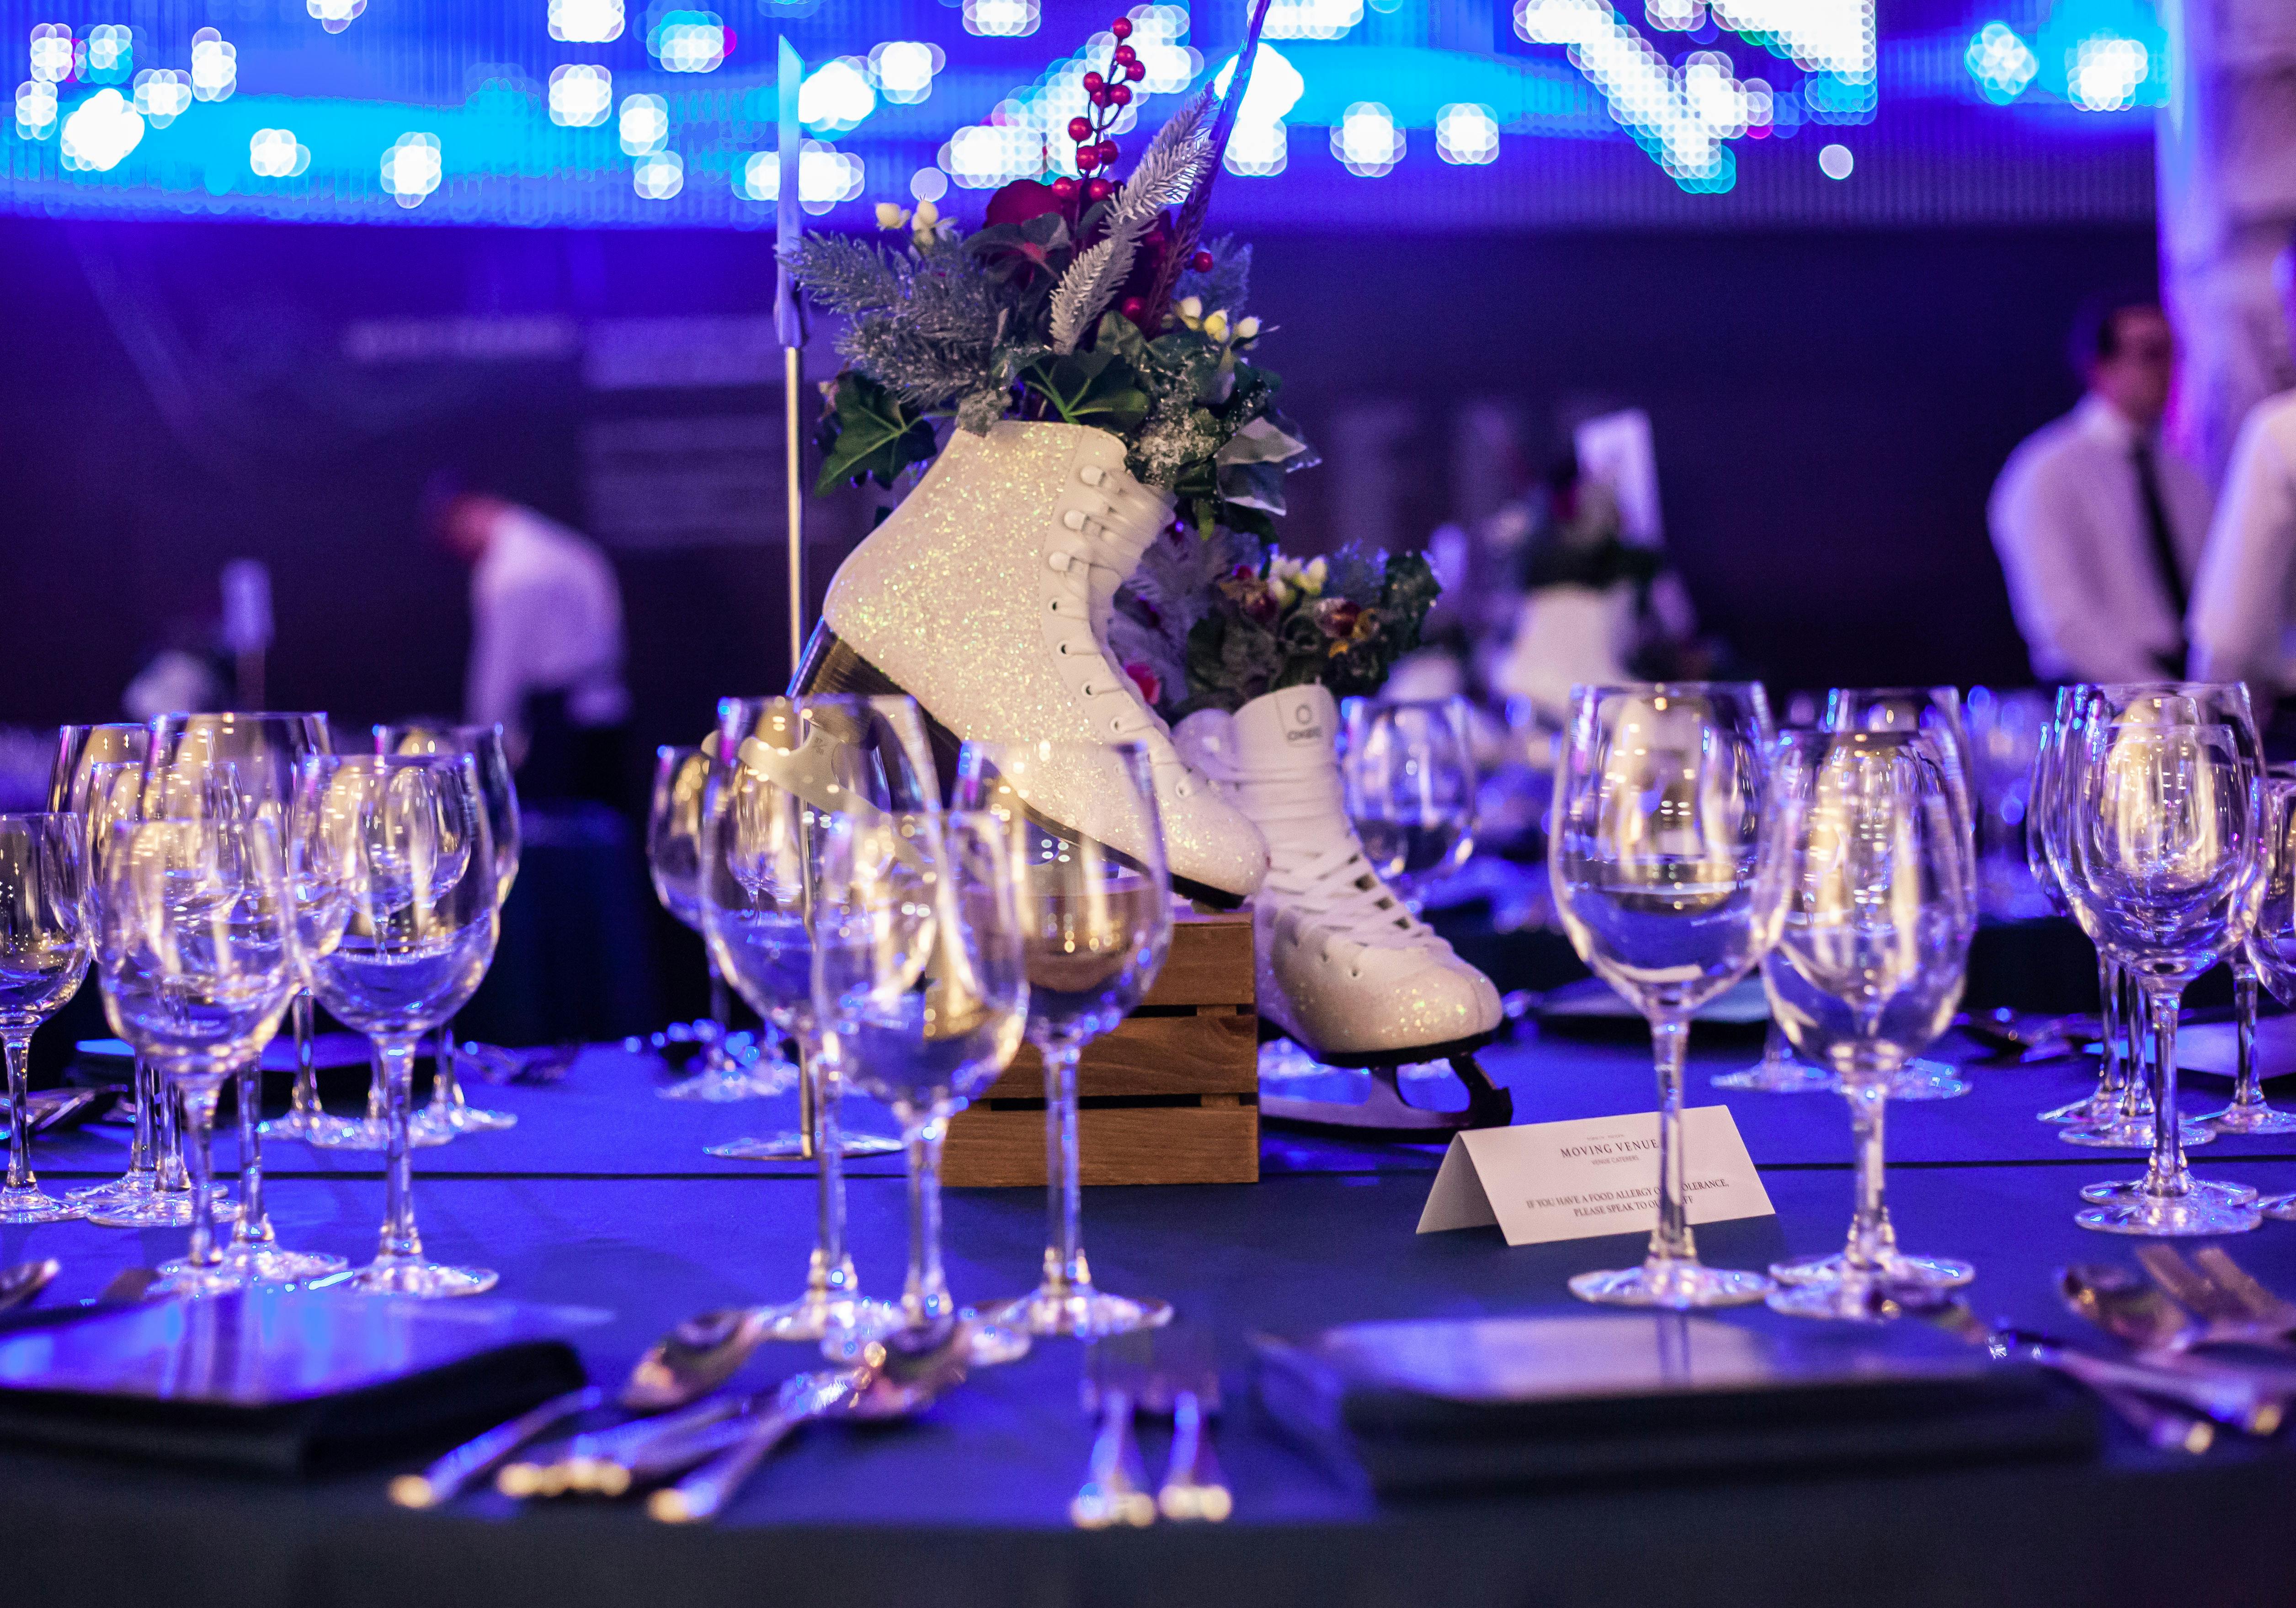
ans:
(545, 641)
(2244, 616)
(2098, 523)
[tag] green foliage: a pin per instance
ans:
(869, 433)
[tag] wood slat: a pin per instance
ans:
(1207, 1054)
(1153, 1144)
(1209, 963)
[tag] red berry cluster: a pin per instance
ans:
(1110, 92)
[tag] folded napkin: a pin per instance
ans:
(287, 1382)
(1410, 1408)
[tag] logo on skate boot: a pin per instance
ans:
(1304, 728)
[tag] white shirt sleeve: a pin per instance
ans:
(2240, 599)
(2038, 526)
(495, 687)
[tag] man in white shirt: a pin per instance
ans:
(545, 640)
(2241, 603)
(2099, 525)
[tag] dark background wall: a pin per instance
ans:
(1830, 409)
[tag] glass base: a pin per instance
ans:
(2257, 1118)
(2280, 1207)
(119, 1192)
(818, 1315)
(34, 1205)
(269, 1265)
(1921, 1079)
(721, 1086)
(1085, 1312)
(312, 1127)
(1677, 1282)
(2131, 1133)
(1841, 1300)
(987, 1345)
(169, 1208)
(1775, 1077)
(2129, 1191)
(412, 1276)
(2083, 1110)
(2186, 1216)
(365, 1134)
(451, 1120)
(1920, 1271)
(183, 1281)
(790, 1147)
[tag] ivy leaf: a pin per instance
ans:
(1253, 486)
(870, 433)
(1015, 250)
(1095, 387)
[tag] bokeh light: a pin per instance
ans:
(1836, 162)
(109, 54)
(2104, 71)
(644, 124)
(585, 21)
(581, 96)
(276, 153)
(2002, 63)
(1311, 19)
(825, 175)
(1367, 142)
(689, 41)
(335, 15)
(837, 95)
(52, 55)
(1467, 135)
(101, 131)
(902, 69)
(1001, 19)
(1674, 16)
(162, 94)
(1257, 149)
(36, 110)
(413, 166)
(659, 177)
(1682, 119)
(928, 184)
(215, 66)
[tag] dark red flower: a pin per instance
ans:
(1020, 201)
(1150, 685)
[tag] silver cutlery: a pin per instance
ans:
(898, 1377)
(2239, 1312)
(1185, 1384)
(128, 1286)
(21, 1284)
(1117, 1369)
(2146, 1316)
(447, 1479)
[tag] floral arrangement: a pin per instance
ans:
(1216, 623)
(1085, 300)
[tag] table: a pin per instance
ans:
(602, 1198)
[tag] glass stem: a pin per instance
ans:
(171, 1174)
(831, 1272)
(303, 1103)
(445, 1086)
(924, 1298)
(714, 1057)
(253, 1227)
(198, 1108)
(2111, 1071)
(400, 1242)
(19, 1041)
(1066, 1271)
(1672, 1241)
(2137, 1058)
(2166, 1174)
(376, 1079)
(1870, 1238)
(143, 1153)
(2247, 1089)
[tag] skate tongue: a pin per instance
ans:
(1292, 729)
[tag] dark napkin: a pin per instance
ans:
(285, 1383)
(1414, 1408)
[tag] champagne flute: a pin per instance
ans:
(1871, 956)
(2269, 956)
(2158, 850)
(1409, 779)
(395, 929)
(449, 1112)
(82, 752)
(1095, 903)
(786, 768)
(1656, 854)
(674, 861)
(919, 974)
(196, 954)
(44, 945)
(245, 765)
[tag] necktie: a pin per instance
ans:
(2156, 526)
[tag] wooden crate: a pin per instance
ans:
(1172, 1096)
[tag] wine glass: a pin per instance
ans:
(196, 949)
(448, 1112)
(82, 752)
(44, 945)
(396, 919)
(919, 974)
(786, 768)
(2270, 955)
(2158, 850)
(674, 860)
(1778, 1072)
(1409, 775)
(1872, 956)
(1095, 903)
(245, 765)
(1656, 854)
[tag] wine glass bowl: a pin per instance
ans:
(1409, 777)
(44, 946)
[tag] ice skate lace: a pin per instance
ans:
(1323, 885)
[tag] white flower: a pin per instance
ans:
(1216, 325)
(891, 216)
(1247, 329)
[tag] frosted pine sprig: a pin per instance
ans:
(1166, 173)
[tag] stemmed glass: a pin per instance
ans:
(448, 1112)
(88, 759)
(674, 860)
(243, 766)
(2270, 955)
(1936, 711)
(1872, 956)
(196, 953)
(786, 768)
(918, 972)
(1095, 903)
(1409, 777)
(396, 925)
(1661, 796)
(44, 945)
(2157, 846)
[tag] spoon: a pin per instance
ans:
(897, 1377)
(20, 1284)
(2130, 1309)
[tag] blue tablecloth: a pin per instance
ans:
(602, 1197)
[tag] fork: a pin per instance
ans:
(2215, 1296)
(2260, 1303)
